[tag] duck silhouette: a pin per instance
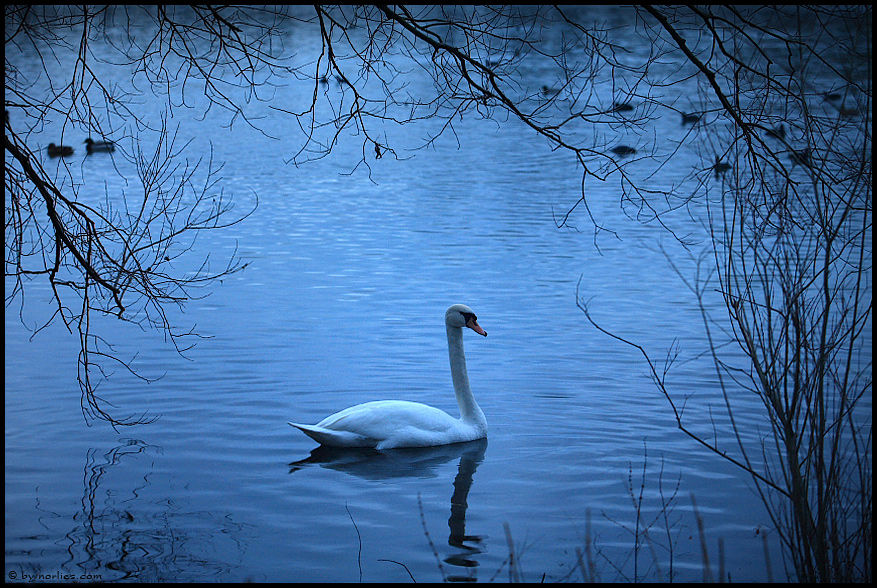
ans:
(777, 132)
(59, 150)
(623, 150)
(801, 157)
(691, 118)
(720, 167)
(99, 146)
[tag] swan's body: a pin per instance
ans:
(385, 424)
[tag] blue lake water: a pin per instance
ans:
(343, 302)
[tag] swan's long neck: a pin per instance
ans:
(469, 410)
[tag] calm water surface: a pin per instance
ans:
(343, 302)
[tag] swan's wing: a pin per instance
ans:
(381, 418)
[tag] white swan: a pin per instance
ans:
(385, 424)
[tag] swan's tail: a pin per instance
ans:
(334, 438)
(314, 432)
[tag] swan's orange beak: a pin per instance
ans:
(473, 324)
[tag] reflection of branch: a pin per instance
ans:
(432, 547)
(359, 540)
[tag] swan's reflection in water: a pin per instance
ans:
(371, 464)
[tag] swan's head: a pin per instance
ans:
(460, 315)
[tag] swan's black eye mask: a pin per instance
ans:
(471, 321)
